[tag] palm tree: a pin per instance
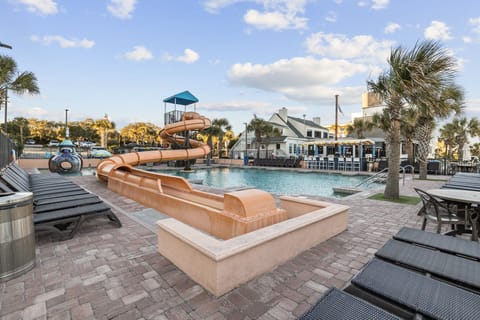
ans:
(359, 128)
(15, 81)
(261, 128)
(450, 99)
(223, 126)
(215, 130)
(414, 78)
(383, 122)
(269, 133)
(447, 136)
(463, 128)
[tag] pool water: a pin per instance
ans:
(275, 181)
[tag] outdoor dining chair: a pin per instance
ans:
(439, 212)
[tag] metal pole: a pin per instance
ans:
(6, 103)
(66, 124)
(336, 117)
(245, 157)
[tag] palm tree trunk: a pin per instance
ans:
(392, 190)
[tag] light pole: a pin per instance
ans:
(67, 133)
(4, 45)
(245, 157)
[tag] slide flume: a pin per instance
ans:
(223, 216)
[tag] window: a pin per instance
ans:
(290, 148)
(309, 133)
(318, 134)
(278, 146)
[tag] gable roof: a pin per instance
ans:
(183, 98)
(309, 123)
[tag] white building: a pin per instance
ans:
(296, 133)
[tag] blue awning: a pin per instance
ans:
(183, 98)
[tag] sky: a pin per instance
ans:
(240, 58)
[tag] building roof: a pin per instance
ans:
(183, 98)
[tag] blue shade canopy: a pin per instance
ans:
(183, 98)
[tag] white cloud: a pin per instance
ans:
(189, 56)
(331, 17)
(303, 78)
(274, 20)
(62, 42)
(380, 4)
(122, 8)
(361, 4)
(437, 31)
(139, 53)
(362, 48)
(40, 6)
(467, 39)
(392, 27)
(475, 22)
(276, 14)
(240, 105)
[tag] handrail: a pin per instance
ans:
(382, 174)
(374, 177)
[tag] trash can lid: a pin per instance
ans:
(12, 198)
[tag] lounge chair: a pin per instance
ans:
(451, 268)
(336, 304)
(407, 293)
(456, 246)
(59, 205)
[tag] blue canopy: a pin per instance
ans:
(183, 98)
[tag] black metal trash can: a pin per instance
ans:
(17, 236)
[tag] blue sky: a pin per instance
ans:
(239, 57)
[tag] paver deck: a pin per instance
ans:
(116, 273)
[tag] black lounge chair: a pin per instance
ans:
(451, 245)
(59, 205)
(407, 293)
(67, 222)
(336, 304)
(454, 269)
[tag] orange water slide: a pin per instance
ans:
(222, 216)
(190, 121)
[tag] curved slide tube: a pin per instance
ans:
(224, 217)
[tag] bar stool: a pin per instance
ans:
(348, 164)
(330, 162)
(341, 163)
(356, 164)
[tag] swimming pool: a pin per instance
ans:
(282, 182)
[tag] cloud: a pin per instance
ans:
(392, 27)
(239, 105)
(62, 42)
(380, 4)
(275, 14)
(467, 39)
(40, 6)
(303, 79)
(331, 17)
(189, 56)
(122, 8)
(139, 53)
(475, 22)
(362, 48)
(437, 31)
(274, 20)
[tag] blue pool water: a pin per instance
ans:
(274, 181)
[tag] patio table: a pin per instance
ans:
(467, 197)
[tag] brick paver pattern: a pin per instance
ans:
(116, 273)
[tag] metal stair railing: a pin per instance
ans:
(381, 176)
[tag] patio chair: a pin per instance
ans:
(336, 304)
(439, 212)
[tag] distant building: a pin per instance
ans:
(296, 134)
